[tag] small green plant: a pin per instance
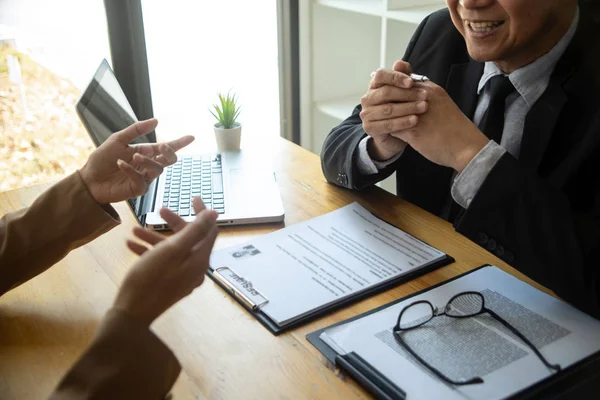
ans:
(227, 112)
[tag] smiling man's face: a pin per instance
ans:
(513, 33)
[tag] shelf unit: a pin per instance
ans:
(341, 43)
(413, 14)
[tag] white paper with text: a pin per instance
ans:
(310, 265)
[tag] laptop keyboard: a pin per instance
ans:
(194, 176)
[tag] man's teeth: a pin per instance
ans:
(484, 26)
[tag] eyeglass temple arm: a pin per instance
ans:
(508, 326)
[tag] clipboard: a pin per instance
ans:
(576, 381)
(254, 307)
(252, 299)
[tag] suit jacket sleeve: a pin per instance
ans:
(63, 218)
(125, 361)
(339, 155)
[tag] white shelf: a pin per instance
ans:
(339, 108)
(412, 15)
(337, 57)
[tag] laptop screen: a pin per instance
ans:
(104, 109)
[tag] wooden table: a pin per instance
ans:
(225, 353)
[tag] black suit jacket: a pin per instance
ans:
(540, 212)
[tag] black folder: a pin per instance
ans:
(276, 329)
(578, 381)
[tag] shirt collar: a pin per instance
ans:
(532, 80)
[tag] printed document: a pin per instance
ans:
(310, 265)
(475, 346)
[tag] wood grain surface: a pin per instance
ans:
(225, 353)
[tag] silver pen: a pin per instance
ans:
(414, 77)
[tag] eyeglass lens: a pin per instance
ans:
(465, 305)
(415, 315)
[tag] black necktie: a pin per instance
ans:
(492, 123)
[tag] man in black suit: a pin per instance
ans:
(504, 141)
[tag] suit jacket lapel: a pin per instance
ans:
(462, 83)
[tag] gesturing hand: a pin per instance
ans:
(389, 106)
(118, 171)
(170, 270)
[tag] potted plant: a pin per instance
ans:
(228, 131)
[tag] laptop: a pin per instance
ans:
(237, 185)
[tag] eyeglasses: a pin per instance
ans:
(462, 305)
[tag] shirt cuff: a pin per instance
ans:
(368, 166)
(467, 183)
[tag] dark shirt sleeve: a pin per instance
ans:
(63, 218)
(124, 361)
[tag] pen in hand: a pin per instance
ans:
(414, 77)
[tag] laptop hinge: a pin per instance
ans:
(147, 201)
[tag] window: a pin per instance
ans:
(199, 48)
(48, 53)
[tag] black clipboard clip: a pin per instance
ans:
(240, 287)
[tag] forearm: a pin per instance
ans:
(61, 219)
(340, 156)
(124, 361)
(539, 230)
(366, 164)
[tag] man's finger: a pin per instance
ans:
(167, 155)
(393, 110)
(165, 151)
(180, 143)
(198, 205)
(148, 236)
(136, 247)
(160, 152)
(389, 77)
(195, 231)
(390, 94)
(153, 168)
(137, 184)
(376, 128)
(207, 243)
(402, 66)
(133, 131)
(175, 222)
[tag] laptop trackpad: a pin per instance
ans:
(245, 180)
(252, 190)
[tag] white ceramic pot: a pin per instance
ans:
(228, 139)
